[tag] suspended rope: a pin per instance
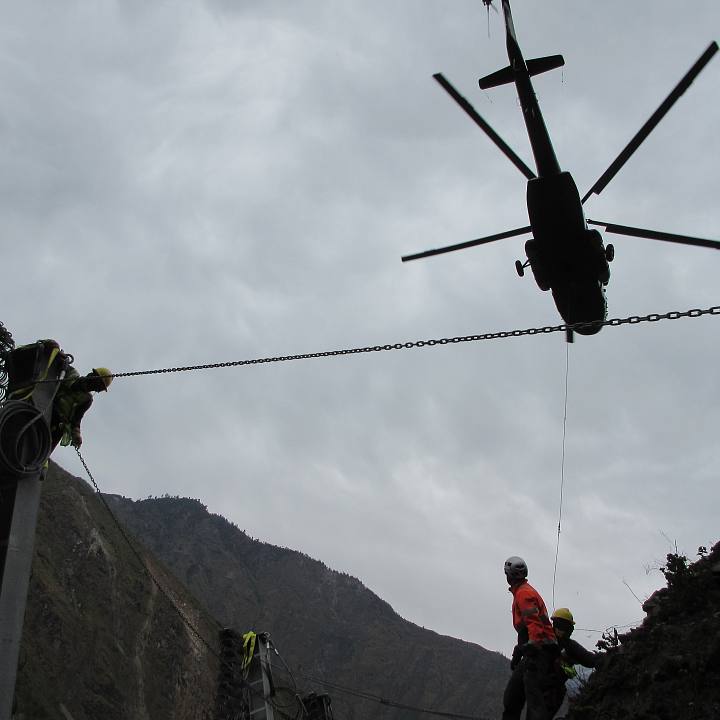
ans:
(364, 695)
(141, 560)
(562, 469)
(547, 329)
(611, 627)
(196, 632)
(163, 590)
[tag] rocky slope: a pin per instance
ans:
(327, 625)
(100, 640)
(669, 667)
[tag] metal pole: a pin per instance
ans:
(15, 581)
(266, 672)
(25, 445)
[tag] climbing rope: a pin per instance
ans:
(140, 559)
(168, 596)
(25, 440)
(186, 621)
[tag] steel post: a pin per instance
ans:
(15, 581)
(25, 445)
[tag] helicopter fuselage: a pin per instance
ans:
(565, 256)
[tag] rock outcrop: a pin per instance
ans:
(669, 667)
(100, 639)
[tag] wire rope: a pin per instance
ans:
(610, 627)
(562, 470)
(166, 594)
(385, 701)
(204, 641)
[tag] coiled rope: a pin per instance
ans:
(25, 439)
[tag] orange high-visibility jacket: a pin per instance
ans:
(530, 616)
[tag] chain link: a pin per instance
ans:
(615, 322)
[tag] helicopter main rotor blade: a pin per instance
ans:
(470, 110)
(655, 118)
(656, 235)
(467, 244)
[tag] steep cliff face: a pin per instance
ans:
(669, 667)
(100, 640)
(326, 624)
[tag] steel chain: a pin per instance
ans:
(615, 322)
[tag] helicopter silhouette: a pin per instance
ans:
(565, 255)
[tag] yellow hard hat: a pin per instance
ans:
(564, 614)
(105, 374)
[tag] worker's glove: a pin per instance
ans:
(76, 439)
(516, 657)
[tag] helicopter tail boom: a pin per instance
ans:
(534, 67)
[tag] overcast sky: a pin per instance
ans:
(194, 182)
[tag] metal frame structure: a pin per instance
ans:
(25, 446)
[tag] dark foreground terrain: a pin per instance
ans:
(669, 667)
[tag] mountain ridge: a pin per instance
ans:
(358, 638)
(101, 640)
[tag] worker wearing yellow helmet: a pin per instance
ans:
(571, 653)
(73, 400)
(73, 397)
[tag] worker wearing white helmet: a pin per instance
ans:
(533, 680)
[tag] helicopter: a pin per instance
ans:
(565, 255)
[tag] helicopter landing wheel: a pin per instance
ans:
(610, 252)
(520, 268)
